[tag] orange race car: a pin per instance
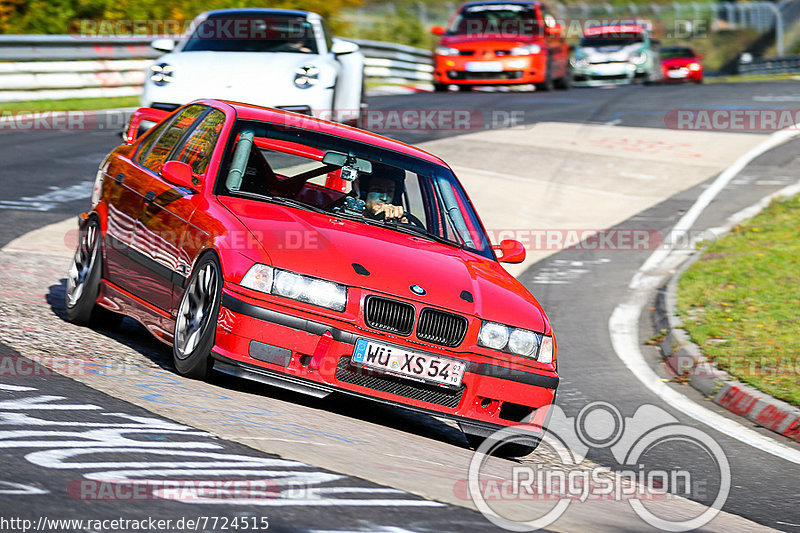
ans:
(502, 43)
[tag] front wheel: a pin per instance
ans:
(83, 280)
(511, 449)
(440, 87)
(196, 324)
(547, 84)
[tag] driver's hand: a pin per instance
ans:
(390, 211)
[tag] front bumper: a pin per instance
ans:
(281, 347)
(494, 70)
(617, 73)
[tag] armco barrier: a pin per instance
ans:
(770, 65)
(36, 67)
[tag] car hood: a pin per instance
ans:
(220, 70)
(609, 53)
(486, 42)
(679, 61)
(325, 246)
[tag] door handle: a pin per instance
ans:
(149, 197)
(119, 177)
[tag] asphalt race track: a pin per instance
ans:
(380, 468)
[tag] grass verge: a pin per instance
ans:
(71, 104)
(740, 302)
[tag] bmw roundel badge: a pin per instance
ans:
(416, 289)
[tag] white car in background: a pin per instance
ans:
(268, 57)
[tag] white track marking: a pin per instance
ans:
(623, 324)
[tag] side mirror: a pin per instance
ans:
(700, 56)
(511, 251)
(163, 45)
(339, 48)
(554, 31)
(180, 174)
(437, 30)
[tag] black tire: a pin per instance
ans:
(565, 82)
(196, 323)
(465, 88)
(547, 84)
(440, 87)
(506, 450)
(83, 280)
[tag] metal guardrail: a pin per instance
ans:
(36, 67)
(770, 65)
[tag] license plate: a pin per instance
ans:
(401, 362)
(676, 73)
(609, 69)
(484, 66)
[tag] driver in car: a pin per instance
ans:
(380, 195)
(384, 183)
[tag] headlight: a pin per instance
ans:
(526, 50)
(639, 58)
(493, 335)
(295, 286)
(447, 51)
(694, 67)
(579, 62)
(306, 76)
(162, 74)
(517, 341)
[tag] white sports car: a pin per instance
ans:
(268, 57)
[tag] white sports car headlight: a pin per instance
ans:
(639, 58)
(306, 76)
(315, 291)
(517, 341)
(162, 74)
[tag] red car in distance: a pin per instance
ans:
(681, 63)
(501, 43)
(317, 257)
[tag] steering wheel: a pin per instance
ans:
(413, 221)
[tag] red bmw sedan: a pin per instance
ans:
(317, 257)
(681, 63)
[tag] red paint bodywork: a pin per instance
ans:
(692, 66)
(485, 47)
(243, 232)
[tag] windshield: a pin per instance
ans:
(612, 39)
(272, 33)
(672, 53)
(504, 19)
(280, 164)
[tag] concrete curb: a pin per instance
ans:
(685, 359)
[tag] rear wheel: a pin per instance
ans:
(83, 280)
(195, 326)
(465, 88)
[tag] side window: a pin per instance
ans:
(200, 145)
(156, 156)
